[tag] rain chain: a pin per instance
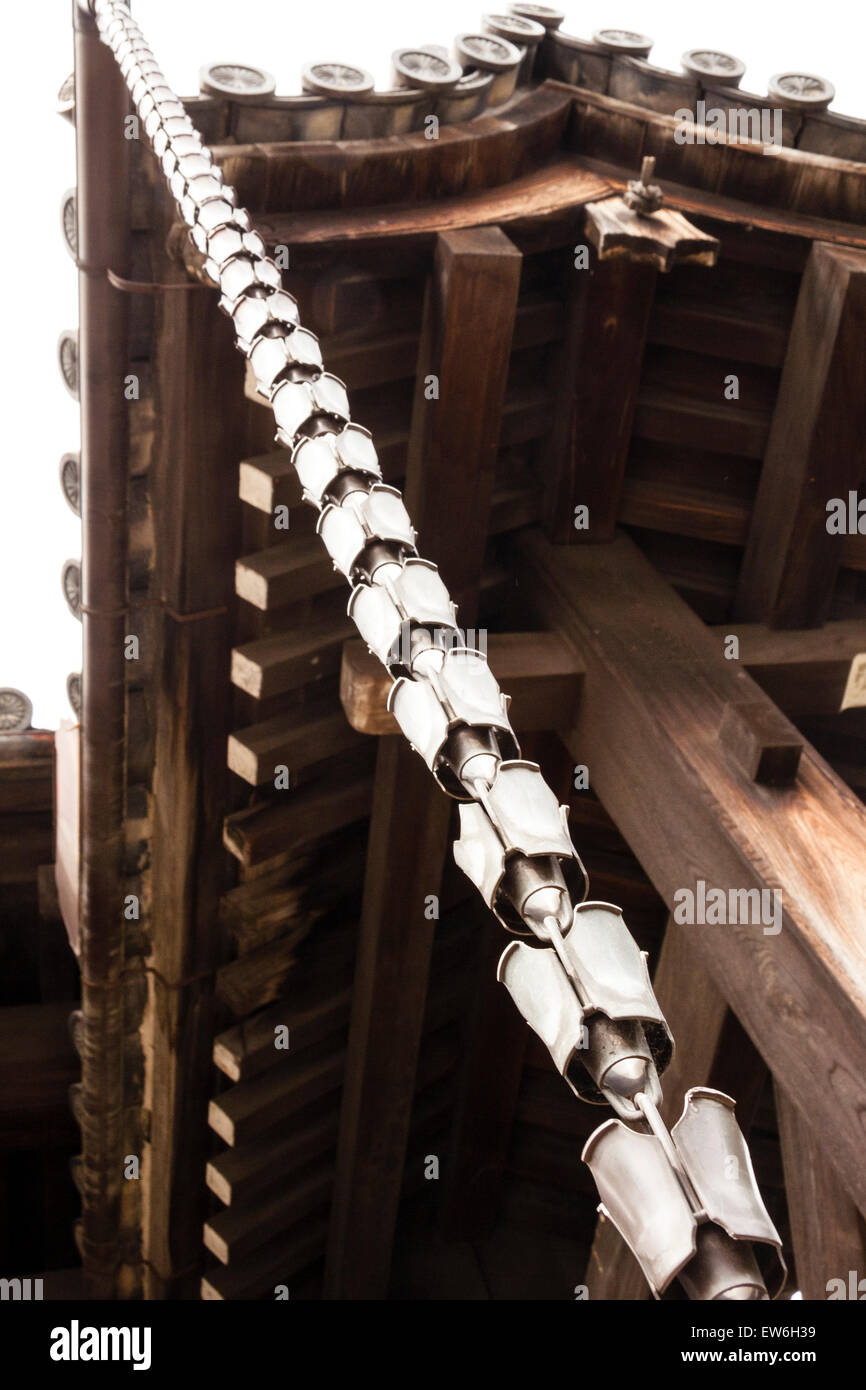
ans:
(685, 1200)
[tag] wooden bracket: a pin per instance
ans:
(664, 238)
(762, 741)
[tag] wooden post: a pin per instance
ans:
(827, 1230)
(608, 312)
(465, 346)
(815, 449)
(198, 443)
(454, 437)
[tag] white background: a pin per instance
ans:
(39, 639)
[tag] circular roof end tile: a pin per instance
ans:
(427, 67)
(487, 52)
(66, 99)
(515, 28)
(333, 79)
(801, 91)
(623, 42)
(16, 711)
(237, 81)
(70, 580)
(544, 15)
(69, 482)
(709, 62)
(69, 222)
(73, 692)
(67, 357)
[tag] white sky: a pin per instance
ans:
(39, 639)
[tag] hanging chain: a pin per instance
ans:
(573, 969)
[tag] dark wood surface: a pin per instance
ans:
(662, 239)
(828, 1232)
(333, 175)
(608, 310)
(815, 449)
(537, 209)
(776, 182)
(331, 204)
(762, 741)
(38, 1064)
(654, 696)
(466, 339)
(804, 672)
(193, 488)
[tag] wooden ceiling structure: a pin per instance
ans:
(332, 909)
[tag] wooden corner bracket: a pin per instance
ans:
(663, 238)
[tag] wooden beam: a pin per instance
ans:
(238, 1175)
(537, 669)
(797, 196)
(608, 311)
(656, 689)
(284, 173)
(275, 1264)
(377, 359)
(815, 449)
(286, 660)
(245, 1111)
(231, 1235)
(466, 340)
(276, 826)
(827, 1230)
(804, 671)
(289, 740)
(536, 209)
(248, 1048)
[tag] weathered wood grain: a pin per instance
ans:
(295, 818)
(662, 239)
(814, 452)
(608, 309)
(804, 671)
(653, 700)
(827, 1230)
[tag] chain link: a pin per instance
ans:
(573, 969)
